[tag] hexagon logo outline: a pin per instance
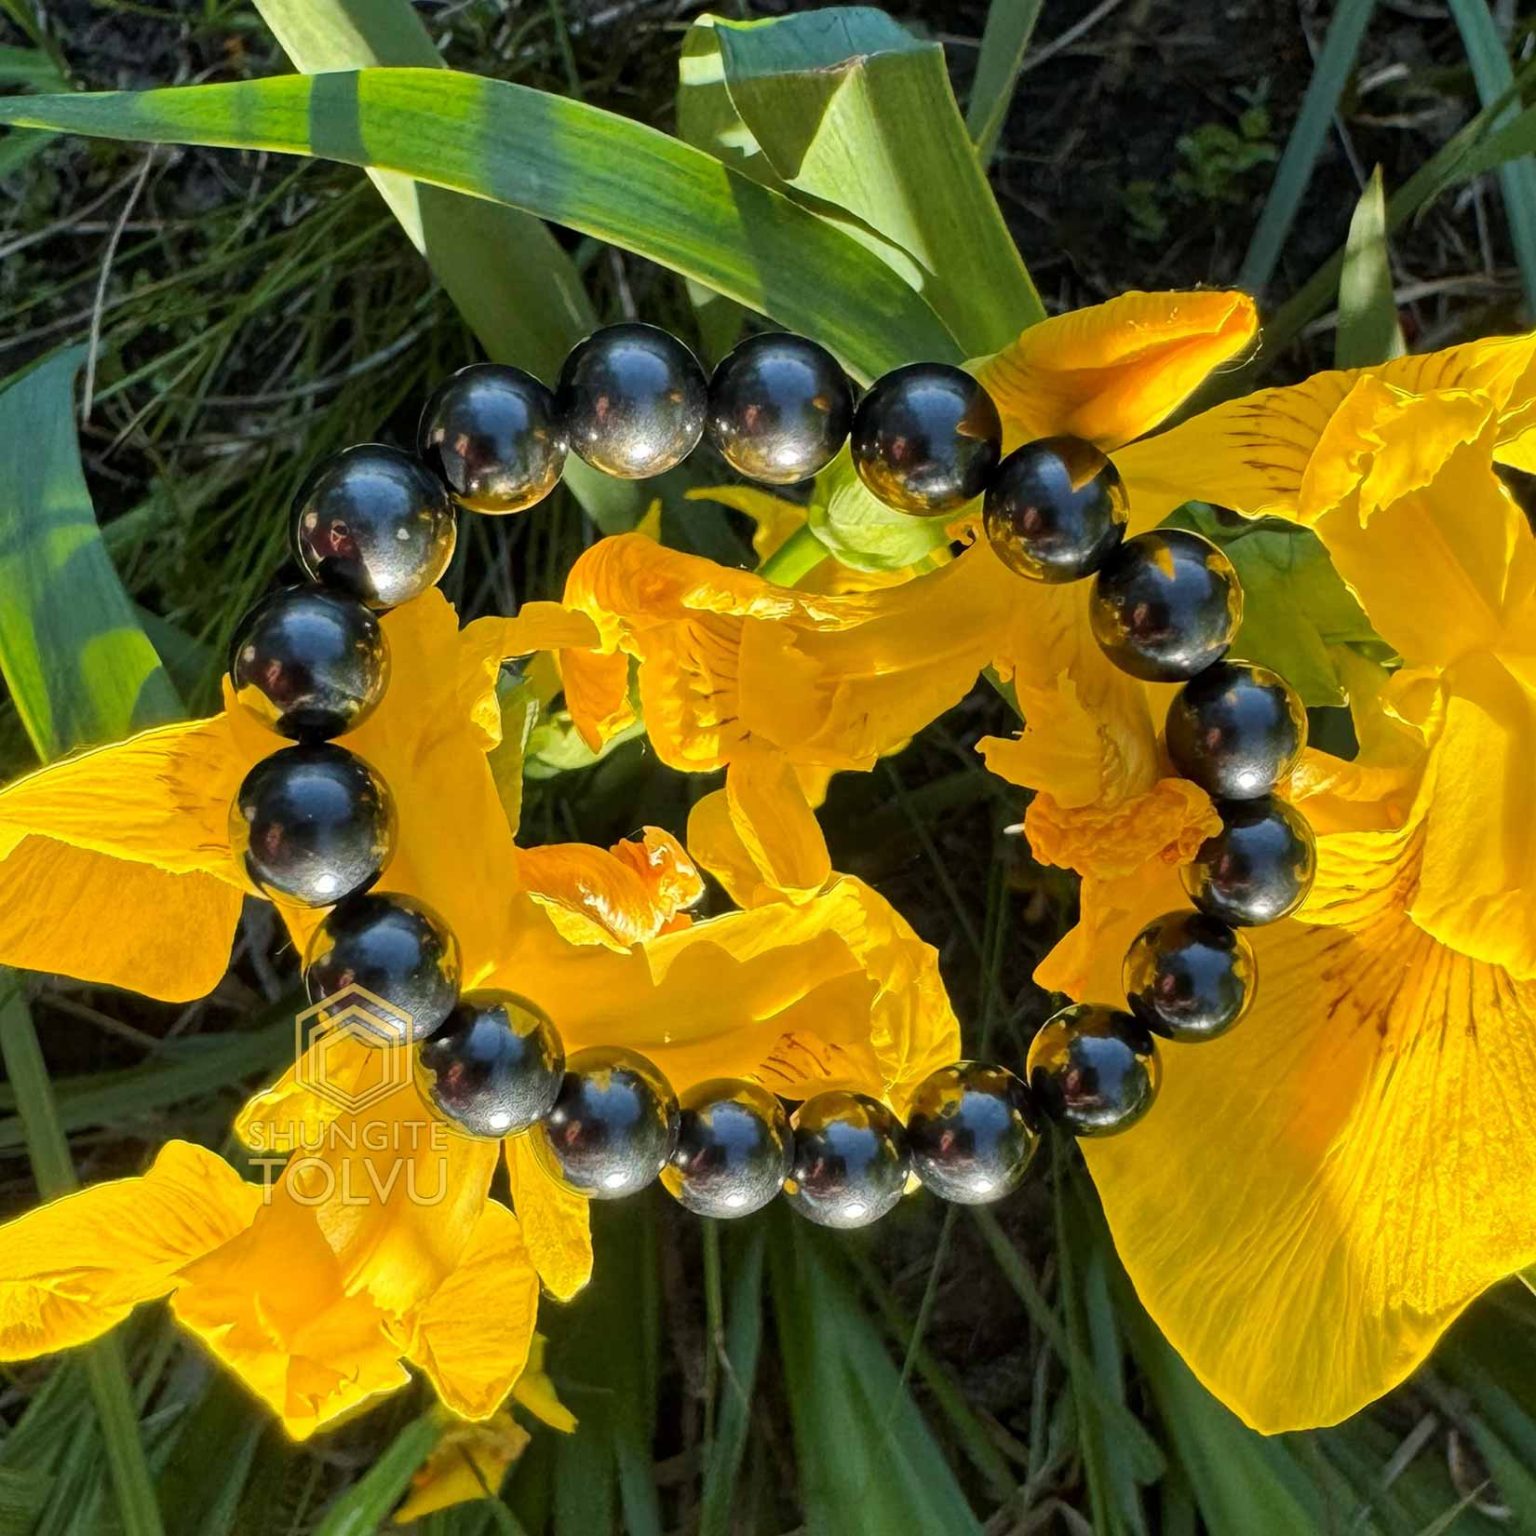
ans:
(352, 1013)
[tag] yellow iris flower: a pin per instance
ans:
(784, 686)
(380, 1244)
(1319, 1194)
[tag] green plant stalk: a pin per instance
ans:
(507, 275)
(1334, 64)
(55, 1174)
(1010, 25)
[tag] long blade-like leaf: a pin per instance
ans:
(1010, 25)
(1517, 177)
(1335, 64)
(563, 160)
(1368, 328)
(79, 667)
(507, 275)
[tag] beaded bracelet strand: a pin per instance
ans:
(315, 824)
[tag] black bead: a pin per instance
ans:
(1094, 1071)
(633, 400)
(393, 946)
(1166, 605)
(376, 523)
(926, 438)
(495, 1067)
(850, 1160)
(314, 824)
(613, 1125)
(1236, 730)
(971, 1132)
(494, 437)
(1055, 509)
(733, 1149)
(1258, 868)
(309, 664)
(779, 408)
(1189, 977)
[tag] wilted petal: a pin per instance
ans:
(469, 1462)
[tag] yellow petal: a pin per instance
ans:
(626, 894)
(536, 1392)
(776, 827)
(717, 846)
(113, 922)
(272, 1305)
(76, 1267)
(130, 844)
(469, 1462)
(1476, 890)
(1321, 1192)
(473, 1334)
(835, 992)
(556, 1227)
(1113, 371)
(1166, 825)
(774, 518)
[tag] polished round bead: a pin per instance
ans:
(1055, 509)
(633, 399)
(1258, 868)
(495, 1067)
(850, 1160)
(1165, 605)
(779, 408)
(1094, 1071)
(733, 1149)
(1236, 730)
(613, 1125)
(376, 523)
(309, 664)
(1189, 977)
(493, 436)
(313, 824)
(971, 1132)
(926, 438)
(393, 946)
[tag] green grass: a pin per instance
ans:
(950, 1373)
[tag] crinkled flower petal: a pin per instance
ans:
(469, 1462)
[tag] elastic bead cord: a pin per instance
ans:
(313, 823)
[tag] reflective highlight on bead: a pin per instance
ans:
(1055, 509)
(633, 400)
(926, 438)
(850, 1160)
(309, 664)
(1165, 605)
(1258, 868)
(494, 437)
(313, 824)
(970, 1132)
(495, 1066)
(779, 408)
(613, 1125)
(1094, 1071)
(1237, 730)
(374, 522)
(394, 946)
(733, 1149)
(1189, 977)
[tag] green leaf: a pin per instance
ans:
(80, 668)
(1295, 605)
(740, 1345)
(507, 275)
(565, 161)
(1486, 53)
(867, 1460)
(1368, 328)
(853, 117)
(364, 1507)
(1010, 25)
(1335, 64)
(864, 533)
